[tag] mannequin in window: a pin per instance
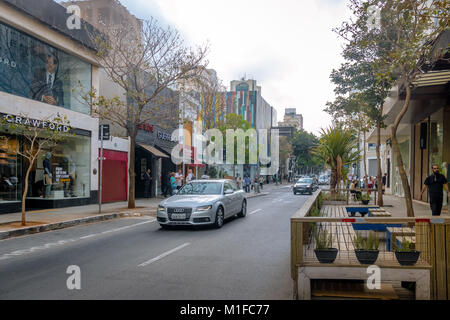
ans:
(47, 174)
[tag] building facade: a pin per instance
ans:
(292, 119)
(41, 62)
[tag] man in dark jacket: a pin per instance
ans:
(435, 184)
(46, 86)
(147, 182)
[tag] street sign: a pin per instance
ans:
(106, 135)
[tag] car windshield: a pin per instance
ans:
(201, 188)
(305, 181)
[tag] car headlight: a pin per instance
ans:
(161, 209)
(203, 209)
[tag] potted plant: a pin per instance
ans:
(365, 198)
(406, 255)
(324, 251)
(366, 250)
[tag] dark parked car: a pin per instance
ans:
(305, 185)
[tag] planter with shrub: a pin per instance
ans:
(324, 251)
(406, 255)
(366, 250)
(365, 199)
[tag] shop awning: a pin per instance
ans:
(433, 78)
(153, 151)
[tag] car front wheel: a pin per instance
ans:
(243, 212)
(219, 218)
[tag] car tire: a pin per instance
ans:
(219, 218)
(243, 212)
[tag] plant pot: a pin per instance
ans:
(363, 214)
(366, 256)
(407, 258)
(352, 214)
(365, 202)
(326, 255)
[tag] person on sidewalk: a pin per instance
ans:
(261, 182)
(247, 183)
(435, 184)
(190, 176)
(179, 177)
(147, 182)
(384, 180)
(167, 185)
(173, 182)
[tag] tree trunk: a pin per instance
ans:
(366, 184)
(132, 175)
(25, 191)
(333, 178)
(395, 146)
(379, 174)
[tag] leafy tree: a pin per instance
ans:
(400, 49)
(144, 63)
(302, 144)
(336, 149)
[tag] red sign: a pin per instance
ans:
(147, 127)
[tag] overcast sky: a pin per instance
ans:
(286, 45)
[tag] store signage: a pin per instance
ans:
(147, 127)
(36, 123)
(106, 134)
(61, 175)
(7, 62)
(164, 136)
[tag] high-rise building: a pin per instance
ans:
(292, 119)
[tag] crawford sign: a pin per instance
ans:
(35, 123)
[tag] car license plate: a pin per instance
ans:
(179, 216)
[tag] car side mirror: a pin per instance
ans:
(229, 191)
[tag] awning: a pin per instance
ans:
(153, 150)
(432, 78)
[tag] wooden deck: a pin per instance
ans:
(342, 239)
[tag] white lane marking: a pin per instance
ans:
(253, 212)
(63, 242)
(163, 255)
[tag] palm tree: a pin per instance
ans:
(337, 147)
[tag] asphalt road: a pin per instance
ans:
(133, 258)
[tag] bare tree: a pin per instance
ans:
(37, 138)
(145, 63)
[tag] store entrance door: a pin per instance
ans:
(115, 177)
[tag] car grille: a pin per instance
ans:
(187, 211)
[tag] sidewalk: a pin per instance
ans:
(397, 207)
(52, 219)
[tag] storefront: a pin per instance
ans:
(153, 151)
(60, 176)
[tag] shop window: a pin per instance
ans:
(436, 138)
(10, 169)
(62, 171)
(35, 70)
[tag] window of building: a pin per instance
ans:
(10, 169)
(436, 138)
(69, 166)
(32, 69)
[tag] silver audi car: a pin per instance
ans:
(203, 202)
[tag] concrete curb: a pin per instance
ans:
(66, 224)
(258, 195)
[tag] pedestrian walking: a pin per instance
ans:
(435, 184)
(173, 182)
(167, 185)
(384, 181)
(147, 182)
(179, 179)
(190, 176)
(247, 183)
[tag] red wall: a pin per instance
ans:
(115, 178)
